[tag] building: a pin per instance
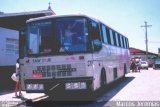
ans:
(12, 26)
(134, 53)
(9, 46)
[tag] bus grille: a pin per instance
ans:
(63, 70)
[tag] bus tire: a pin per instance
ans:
(103, 81)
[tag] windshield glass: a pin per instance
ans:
(58, 36)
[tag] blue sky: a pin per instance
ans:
(125, 16)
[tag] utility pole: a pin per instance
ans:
(146, 41)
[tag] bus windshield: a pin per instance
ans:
(58, 35)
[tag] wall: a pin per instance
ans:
(6, 83)
(8, 47)
(8, 57)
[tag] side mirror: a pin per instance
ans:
(97, 45)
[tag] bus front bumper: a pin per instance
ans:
(59, 85)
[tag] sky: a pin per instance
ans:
(125, 16)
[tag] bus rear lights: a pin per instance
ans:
(75, 86)
(34, 86)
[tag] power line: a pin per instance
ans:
(146, 26)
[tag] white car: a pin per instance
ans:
(144, 65)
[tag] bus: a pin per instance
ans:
(94, 56)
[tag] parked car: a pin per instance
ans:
(144, 65)
(156, 64)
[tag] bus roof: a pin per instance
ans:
(59, 16)
(71, 15)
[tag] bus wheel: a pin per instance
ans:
(103, 78)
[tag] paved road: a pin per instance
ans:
(143, 86)
(8, 99)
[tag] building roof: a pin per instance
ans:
(17, 21)
(139, 51)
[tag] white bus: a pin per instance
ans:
(54, 60)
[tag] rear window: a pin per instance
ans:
(143, 62)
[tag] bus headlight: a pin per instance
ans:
(29, 86)
(75, 86)
(34, 87)
(41, 87)
(68, 86)
(83, 85)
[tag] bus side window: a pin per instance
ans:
(121, 41)
(95, 34)
(108, 36)
(127, 43)
(117, 41)
(124, 40)
(114, 38)
(111, 36)
(104, 34)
